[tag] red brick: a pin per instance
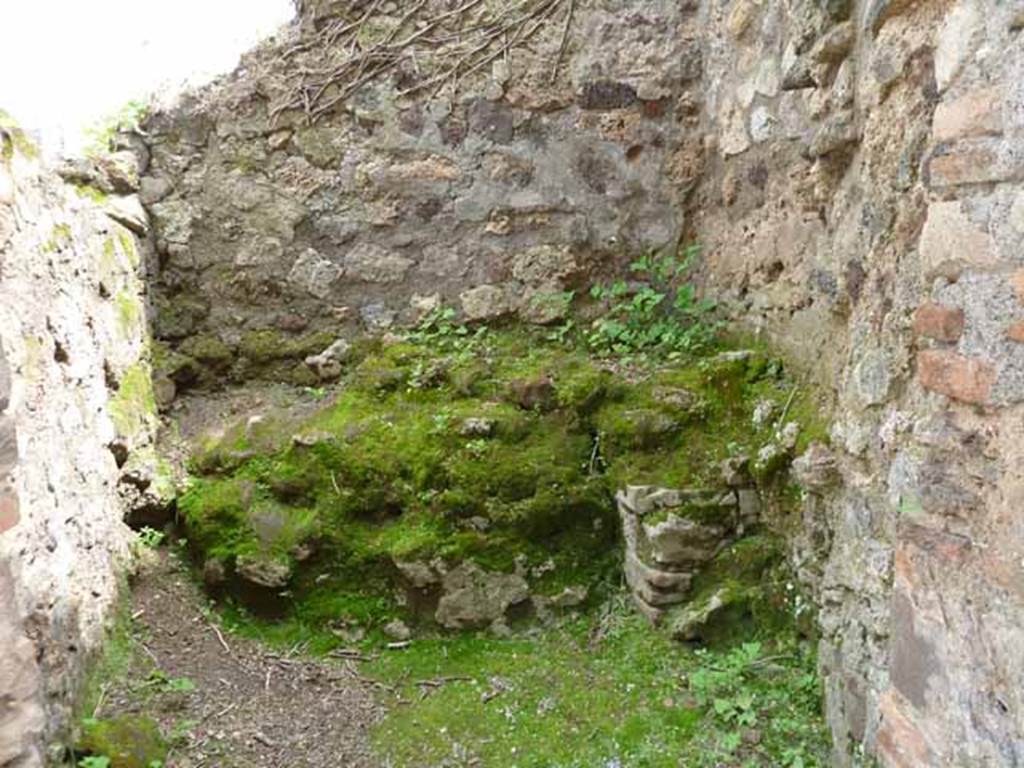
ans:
(936, 321)
(962, 378)
(9, 514)
(1016, 331)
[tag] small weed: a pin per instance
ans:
(150, 538)
(316, 393)
(158, 679)
(439, 330)
(654, 314)
(101, 134)
(94, 761)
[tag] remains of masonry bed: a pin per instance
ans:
(469, 482)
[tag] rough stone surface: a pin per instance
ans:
(938, 322)
(830, 255)
(489, 200)
(842, 165)
(662, 557)
(474, 598)
(73, 381)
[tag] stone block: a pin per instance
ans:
(935, 321)
(912, 655)
(647, 590)
(677, 541)
(485, 302)
(972, 161)
(950, 239)
(373, 264)
(314, 274)
(956, 41)
(961, 378)
(1016, 332)
(977, 113)
(900, 742)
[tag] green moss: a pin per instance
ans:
(740, 596)
(209, 350)
(15, 140)
(575, 697)
(177, 316)
(114, 663)
(129, 741)
(173, 364)
(133, 407)
(61, 238)
(90, 192)
(385, 471)
(129, 313)
(129, 247)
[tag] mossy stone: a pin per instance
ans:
(129, 741)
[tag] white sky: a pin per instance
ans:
(64, 64)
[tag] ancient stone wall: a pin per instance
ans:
(853, 172)
(76, 425)
(544, 167)
(861, 208)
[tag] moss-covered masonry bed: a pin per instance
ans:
(468, 481)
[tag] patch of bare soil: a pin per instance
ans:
(229, 701)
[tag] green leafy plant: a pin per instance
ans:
(160, 680)
(94, 761)
(317, 393)
(438, 324)
(150, 538)
(654, 314)
(100, 135)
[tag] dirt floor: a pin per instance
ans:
(228, 701)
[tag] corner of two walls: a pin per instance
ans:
(863, 207)
(77, 420)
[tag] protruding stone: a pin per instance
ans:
(419, 575)
(328, 364)
(678, 541)
(977, 113)
(815, 469)
(314, 274)
(485, 302)
(263, 571)
(475, 598)
(835, 45)
(129, 212)
(656, 587)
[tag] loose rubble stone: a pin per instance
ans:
(328, 364)
(474, 598)
(263, 572)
